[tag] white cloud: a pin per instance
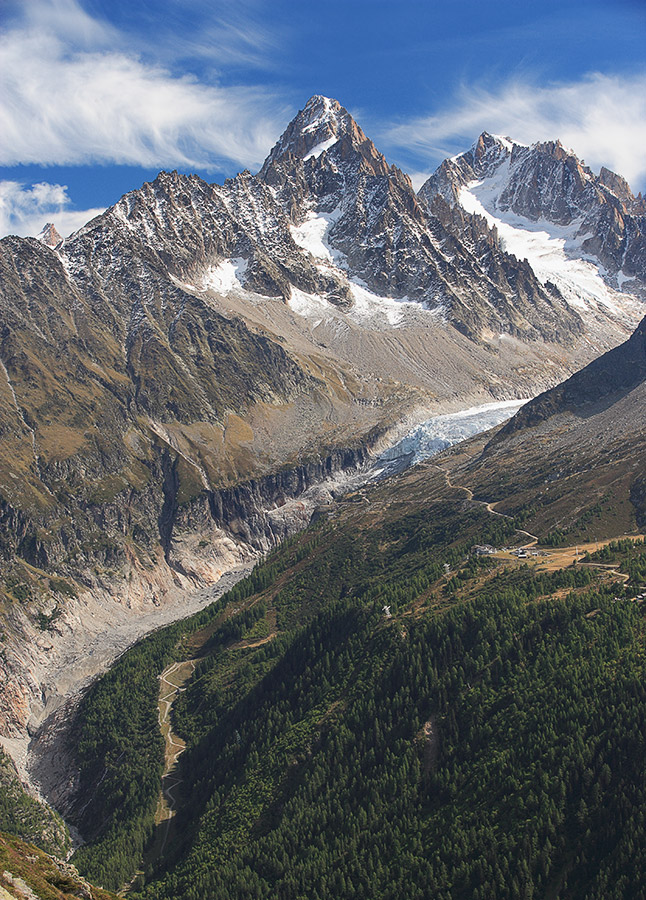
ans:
(219, 35)
(66, 19)
(602, 118)
(70, 97)
(24, 210)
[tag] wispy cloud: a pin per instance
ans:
(71, 97)
(24, 210)
(222, 35)
(602, 118)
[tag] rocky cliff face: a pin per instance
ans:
(598, 215)
(328, 175)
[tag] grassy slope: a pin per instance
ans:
(22, 864)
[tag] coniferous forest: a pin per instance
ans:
(379, 712)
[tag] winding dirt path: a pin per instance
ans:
(171, 682)
(611, 568)
(552, 559)
(489, 506)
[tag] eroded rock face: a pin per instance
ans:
(548, 182)
(199, 541)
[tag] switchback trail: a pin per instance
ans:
(570, 554)
(171, 682)
(489, 506)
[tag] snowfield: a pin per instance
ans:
(549, 249)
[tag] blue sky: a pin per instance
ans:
(99, 96)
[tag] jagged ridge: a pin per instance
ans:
(545, 181)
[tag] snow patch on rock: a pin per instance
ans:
(376, 309)
(315, 152)
(546, 246)
(225, 277)
(311, 235)
(324, 116)
(307, 305)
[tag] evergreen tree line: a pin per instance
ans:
(491, 748)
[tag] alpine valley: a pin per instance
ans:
(354, 683)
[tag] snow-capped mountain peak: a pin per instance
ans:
(319, 111)
(358, 216)
(49, 236)
(489, 151)
(582, 232)
(315, 128)
(323, 125)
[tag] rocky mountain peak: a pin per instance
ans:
(315, 128)
(489, 151)
(547, 182)
(618, 185)
(329, 178)
(50, 236)
(324, 126)
(482, 159)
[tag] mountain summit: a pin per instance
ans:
(50, 236)
(321, 125)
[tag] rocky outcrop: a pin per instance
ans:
(30, 874)
(50, 236)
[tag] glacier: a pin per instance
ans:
(439, 432)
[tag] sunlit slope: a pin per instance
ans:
(572, 461)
